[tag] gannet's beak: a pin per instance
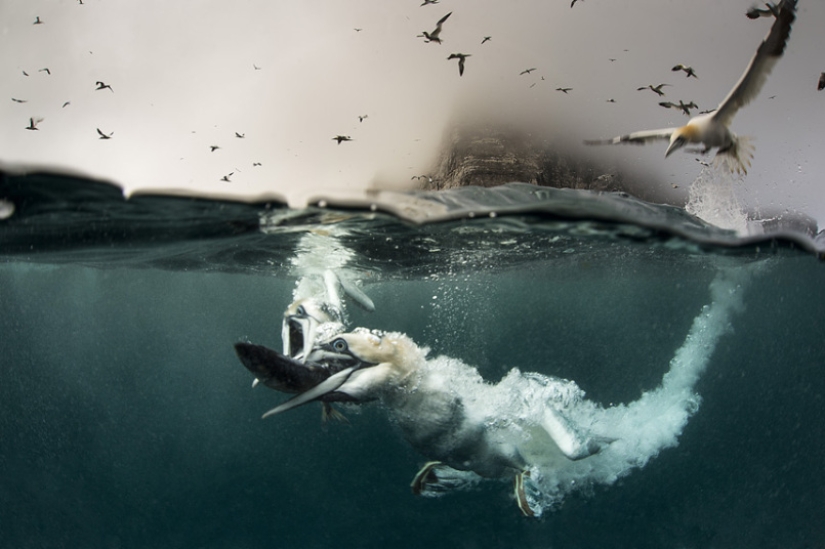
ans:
(676, 144)
(319, 374)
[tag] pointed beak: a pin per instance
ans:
(676, 144)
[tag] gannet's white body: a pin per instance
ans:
(713, 129)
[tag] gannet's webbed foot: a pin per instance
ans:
(521, 494)
(328, 413)
(426, 476)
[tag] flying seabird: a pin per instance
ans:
(527, 71)
(19, 100)
(240, 135)
(486, 39)
(66, 104)
(357, 30)
(433, 36)
(33, 124)
(213, 148)
(37, 21)
(429, 2)
(102, 86)
(713, 129)
(103, 135)
(573, 3)
(362, 117)
(821, 85)
(256, 164)
(770, 11)
(46, 70)
(461, 57)
(226, 177)
(25, 73)
(565, 90)
(340, 138)
(685, 107)
(688, 70)
(256, 67)
(656, 89)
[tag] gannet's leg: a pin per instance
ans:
(521, 495)
(424, 476)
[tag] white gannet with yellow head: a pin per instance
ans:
(713, 129)
(442, 406)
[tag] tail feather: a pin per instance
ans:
(736, 158)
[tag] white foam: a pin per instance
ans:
(712, 198)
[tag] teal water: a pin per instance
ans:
(127, 421)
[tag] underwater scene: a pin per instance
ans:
(514, 366)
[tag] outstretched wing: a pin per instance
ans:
(637, 138)
(760, 66)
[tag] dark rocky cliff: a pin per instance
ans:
(487, 156)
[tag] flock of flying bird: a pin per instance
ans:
(710, 129)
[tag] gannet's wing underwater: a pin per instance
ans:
(712, 130)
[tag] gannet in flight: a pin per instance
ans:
(486, 39)
(564, 90)
(713, 129)
(19, 100)
(434, 35)
(340, 138)
(656, 89)
(103, 135)
(461, 57)
(102, 86)
(527, 71)
(37, 21)
(688, 70)
(33, 124)
(821, 85)
(685, 107)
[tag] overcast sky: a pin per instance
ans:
(184, 78)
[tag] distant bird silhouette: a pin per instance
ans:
(46, 70)
(33, 124)
(357, 30)
(821, 85)
(226, 177)
(486, 39)
(461, 57)
(434, 36)
(25, 73)
(362, 117)
(755, 13)
(429, 2)
(256, 164)
(66, 104)
(684, 107)
(565, 90)
(256, 67)
(340, 138)
(103, 135)
(102, 86)
(688, 70)
(573, 3)
(19, 100)
(611, 101)
(240, 135)
(657, 89)
(527, 71)
(213, 148)
(37, 21)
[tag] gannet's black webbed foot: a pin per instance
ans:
(521, 494)
(425, 477)
(328, 413)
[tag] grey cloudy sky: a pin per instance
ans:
(184, 78)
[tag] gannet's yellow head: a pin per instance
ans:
(680, 137)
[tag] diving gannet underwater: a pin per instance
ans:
(712, 130)
(537, 431)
